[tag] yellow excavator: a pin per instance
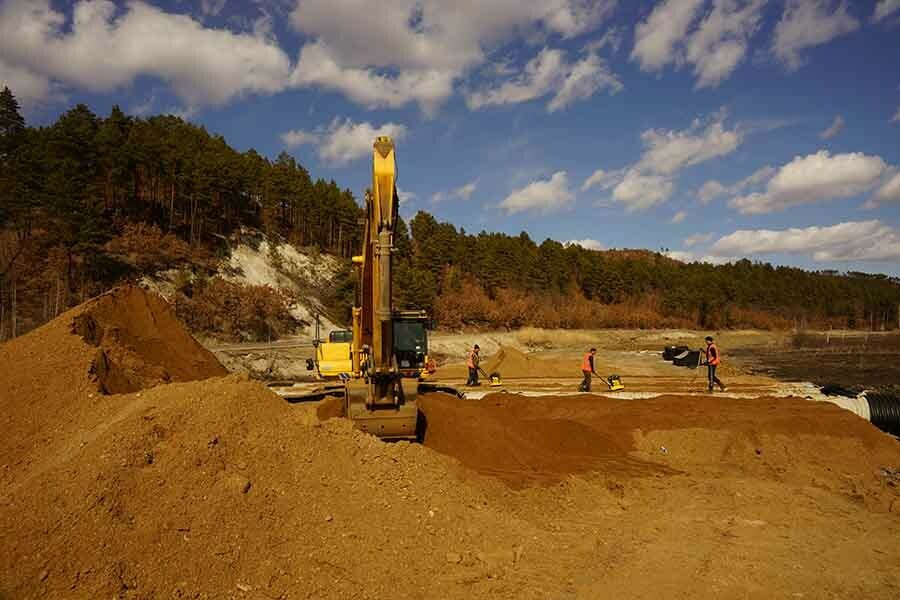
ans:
(388, 348)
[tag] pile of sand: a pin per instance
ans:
(546, 439)
(515, 364)
(219, 489)
(140, 342)
(54, 379)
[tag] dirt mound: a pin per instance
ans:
(515, 364)
(141, 342)
(220, 489)
(546, 439)
(53, 380)
(495, 438)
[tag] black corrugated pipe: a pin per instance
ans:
(884, 410)
(670, 352)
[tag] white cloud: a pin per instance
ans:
(316, 66)
(550, 73)
(587, 244)
(888, 192)
(103, 48)
(835, 128)
(656, 38)
(716, 46)
(696, 239)
(212, 7)
(602, 179)
(850, 241)
(759, 176)
(584, 79)
(415, 50)
(679, 217)
(28, 87)
(544, 196)
(814, 178)
(896, 118)
(342, 141)
(711, 190)
(612, 39)
(639, 192)
(298, 137)
(884, 9)
(809, 23)
(720, 41)
(540, 75)
(463, 192)
(404, 196)
(669, 151)
(651, 180)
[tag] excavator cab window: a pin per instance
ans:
(410, 344)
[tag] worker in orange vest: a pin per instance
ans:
(472, 363)
(587, 369)
(713, 358)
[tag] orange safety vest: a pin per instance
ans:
(473, 360)
(712, 355)
(586, 362)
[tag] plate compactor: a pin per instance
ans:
(494, 379)
(614, 383)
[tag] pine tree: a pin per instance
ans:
(12, 124)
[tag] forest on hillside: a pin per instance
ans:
(89, 202)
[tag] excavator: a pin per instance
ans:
(388, 347)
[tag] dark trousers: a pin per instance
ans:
(712, 377)
(586, 382)
(473, 377)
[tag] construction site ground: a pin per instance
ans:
(182, 481)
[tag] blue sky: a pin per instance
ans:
(715, 128)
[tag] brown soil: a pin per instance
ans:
(219, 489)
(502, 436)
(56, 376)
(545, 439)
(513, 363)
(140, 342)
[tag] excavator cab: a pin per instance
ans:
(410, 344)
